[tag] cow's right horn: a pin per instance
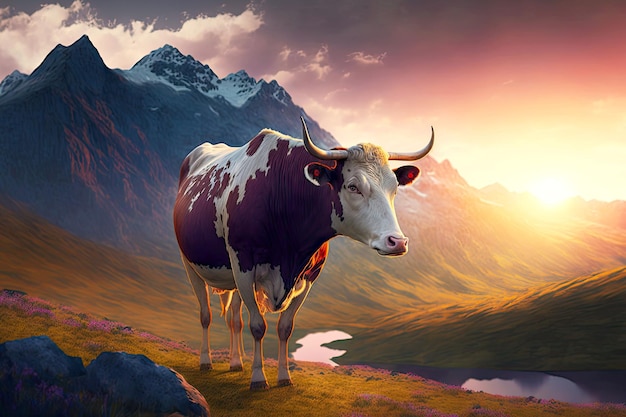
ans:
(319, 152)
(414, 156)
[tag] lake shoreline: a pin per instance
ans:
(606, 386)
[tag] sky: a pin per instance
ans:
(530, 94)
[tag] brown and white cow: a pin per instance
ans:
(258, 219)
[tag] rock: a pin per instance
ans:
(48, 381)
(42, 355)
(140, 384)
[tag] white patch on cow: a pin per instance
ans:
(222, 216)
(294, 144)
(190, 186)
(258, 164)
(220, 278)
(193, 200)
(242, 167)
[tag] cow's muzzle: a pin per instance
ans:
(394, 245)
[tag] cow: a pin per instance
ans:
(254, 223)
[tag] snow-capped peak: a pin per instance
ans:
(11, 81)
(237, 88)
(169, 66)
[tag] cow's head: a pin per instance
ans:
(366, 186)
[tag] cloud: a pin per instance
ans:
(300, 65)
(366, 59)
(220, 39)
(319, 64)
(284, 53)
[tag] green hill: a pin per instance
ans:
(577, 324)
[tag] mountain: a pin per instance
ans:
(183, 73)
(82, 142)
(12, 81)
(574, 324)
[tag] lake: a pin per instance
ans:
(311, 348)
(569, 386)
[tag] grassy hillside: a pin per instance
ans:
(578, 324)
(46, 261)
(345, 391)
(153, 294)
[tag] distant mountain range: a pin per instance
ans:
(90, 158)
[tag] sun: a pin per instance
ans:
(551, 190)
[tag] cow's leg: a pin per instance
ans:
(285, 327)
(201, 289)
(258, 325)
(235, 325)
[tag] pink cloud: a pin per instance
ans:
(366, 59)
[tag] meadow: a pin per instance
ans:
(319, 390)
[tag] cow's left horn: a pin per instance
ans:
(413, 156)
(319, 152)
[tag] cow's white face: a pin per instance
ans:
(366, 188)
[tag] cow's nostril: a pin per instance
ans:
(392, 242)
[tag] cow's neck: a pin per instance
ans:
(307, 210)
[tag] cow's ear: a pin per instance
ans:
(406, 174)
(317, 173)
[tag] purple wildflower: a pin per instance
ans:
(71, 322)
(479, 412)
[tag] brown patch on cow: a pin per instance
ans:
(254, 144)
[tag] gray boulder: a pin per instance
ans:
(61, 385)
(141, 385)
(43, 356)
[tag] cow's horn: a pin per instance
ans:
(413, 156)
(319, 152)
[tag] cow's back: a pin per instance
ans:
(202, 156)
(204, 176)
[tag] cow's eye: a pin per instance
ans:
(353, 188)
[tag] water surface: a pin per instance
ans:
(570, 386)
(311, 348)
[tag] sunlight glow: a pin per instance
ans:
(551, 190)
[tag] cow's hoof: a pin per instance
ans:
(259, 386)
(285, 382)
(205, 367)
(236, 368)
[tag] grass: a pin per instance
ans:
(576, 324)
(320, 390)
